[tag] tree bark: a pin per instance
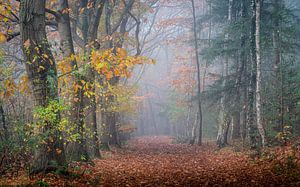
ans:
(90, 33)
(278, 6)
(76, 114)
(41, 70)
(198, 73)
(224, 117)
(260, 126)
(3, 122)
(252, 80)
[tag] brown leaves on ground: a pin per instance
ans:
(155, 161)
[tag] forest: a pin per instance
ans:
(149, 93)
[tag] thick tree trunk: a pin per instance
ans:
(236, 116)
(112, 118)
(41, 70)
(224, 117)
(76, 113)
(259, 76)
(90, 32)
(236, 131)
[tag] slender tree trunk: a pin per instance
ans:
(3, 122)
(259, 75)
(277, 63)
(209, 45)
(187, 128)
(245, 106)
(41, 70)
(252, 80)
(244, 78)
(194, 129)
(198, 73)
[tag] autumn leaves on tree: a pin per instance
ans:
(77, 81)
(69, 78)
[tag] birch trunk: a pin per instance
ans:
(259, 76)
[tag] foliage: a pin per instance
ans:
(180, 165)
(45, 116)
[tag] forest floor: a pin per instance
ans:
(156, 161)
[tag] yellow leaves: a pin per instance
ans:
(2, 37)
(121, 53)
(115, 62)
(41, 68)
(10, 88)
(64, 66)
(77, 87)
(117, 72)
(74, 58)
(109, 75)
(45, 56)
(86, 87)
(24, 85)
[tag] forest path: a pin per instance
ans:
(155, 161)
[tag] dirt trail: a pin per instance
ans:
(155, 161)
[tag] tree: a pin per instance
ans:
(42, 73)
(76, 117)
(224, 119)
(198, 73)
(259, 75)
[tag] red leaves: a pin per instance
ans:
(155, 161)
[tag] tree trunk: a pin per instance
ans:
(224, 117)
(252, 80)
(90, 33)
(244, 80)
(198, 73)
(3, 123)
(41, 70)
(112, 119)
(236, 133)
(76, 117)
(259, 76)
(278, 6)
